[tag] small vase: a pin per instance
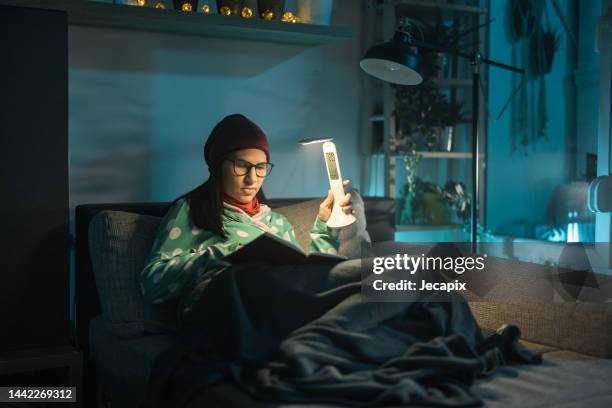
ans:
(270, 9)
(230, 7)
(187, 6)
(435, 210)
(206, 7)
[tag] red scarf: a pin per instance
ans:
(251, 208)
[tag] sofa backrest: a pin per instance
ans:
(379, 214)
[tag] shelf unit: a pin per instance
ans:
(378, 125)
(95, 14)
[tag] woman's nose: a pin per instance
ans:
(251, 176)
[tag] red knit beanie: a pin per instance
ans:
(234, 132)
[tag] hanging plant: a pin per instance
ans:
(550, 42)
(542, 49)
(523, 18)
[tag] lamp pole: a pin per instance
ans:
(475, 63)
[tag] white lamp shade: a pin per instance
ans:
(390, 71)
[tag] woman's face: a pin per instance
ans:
(242, 187)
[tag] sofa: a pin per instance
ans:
(121, 335)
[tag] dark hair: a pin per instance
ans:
(206, 203)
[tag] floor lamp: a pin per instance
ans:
(396, 62)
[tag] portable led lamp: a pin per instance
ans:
(338, 218)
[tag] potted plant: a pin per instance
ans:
(447, 36)
(418, 112)
(424, 118)
(425, 205)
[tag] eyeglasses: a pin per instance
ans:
(242, 168)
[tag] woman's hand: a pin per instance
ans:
(325, 209)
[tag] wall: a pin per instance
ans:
(142, 104)
(521, 179)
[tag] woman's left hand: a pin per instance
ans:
(325, 209)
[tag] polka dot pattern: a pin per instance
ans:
(199, 249)
(175, 233)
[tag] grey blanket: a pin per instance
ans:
(305, 334)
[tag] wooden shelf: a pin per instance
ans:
(88, 13)
(414, 227)
(446, 155)
(442, 5)
(452, 83)
(442, 155)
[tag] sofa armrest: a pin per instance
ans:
(527, 295)
(532, 297)
(583, 328)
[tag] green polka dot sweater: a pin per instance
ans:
(182, 251)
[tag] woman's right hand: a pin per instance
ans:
(325, 209)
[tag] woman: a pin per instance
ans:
(295, 333)
(224, 213)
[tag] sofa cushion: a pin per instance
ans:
(301, 216)
(119, 245)
(564, 379)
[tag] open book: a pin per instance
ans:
(270, 248)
